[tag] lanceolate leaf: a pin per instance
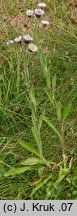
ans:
(54, 83)
(40, 120)
(28, 147)
(30, 161)
(52, 126)
(32, 97)
(17, 171)
(66, 111)
(50, 97)
(59, 108)
(37, 137)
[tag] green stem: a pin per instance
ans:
(62, 134)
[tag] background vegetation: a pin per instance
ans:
(38, 103)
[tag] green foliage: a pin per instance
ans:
(59, 109)
(40, 185)
(32, 98)
(2, 170)
(66, 111)
(30, 161)
(50, 96)
(16, 171)
(54, 84)
(28, 147)
(35, 90)
(45, 69)
(53, 127)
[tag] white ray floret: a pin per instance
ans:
(27, 38)
(29, 13)
(42, 5)
(18, 39)
(10, 42)
(39, 12)
(45, 23)
(32, 47)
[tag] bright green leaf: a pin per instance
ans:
(30, 161)
(36, 134)
(40, 120)
(66, 111)
(52, 126)
(17, 171)
(28, 147)
(40, 171)
(40, 185)
(50, 97)
(58, 109)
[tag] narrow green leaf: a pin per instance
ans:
(28, 147)
(58, 109)
(16, 171)
(40, 120)
(52, 126)
(40, 185)
(54, 83)
(30, 161)
(66, 111)
(34, 119)
(32, 97)
(34, 161)
(61, 177)
(59, 180)
(2, 170)
(50, 97)
(36, 134)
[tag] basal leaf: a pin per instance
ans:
(17, 171)
(30, 161)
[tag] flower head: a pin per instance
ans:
(29, 13)
(45, 23)
(39, 12)
(27, 38)
(18, 39)
(10, 42)
(42, 5)
(32, 47)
